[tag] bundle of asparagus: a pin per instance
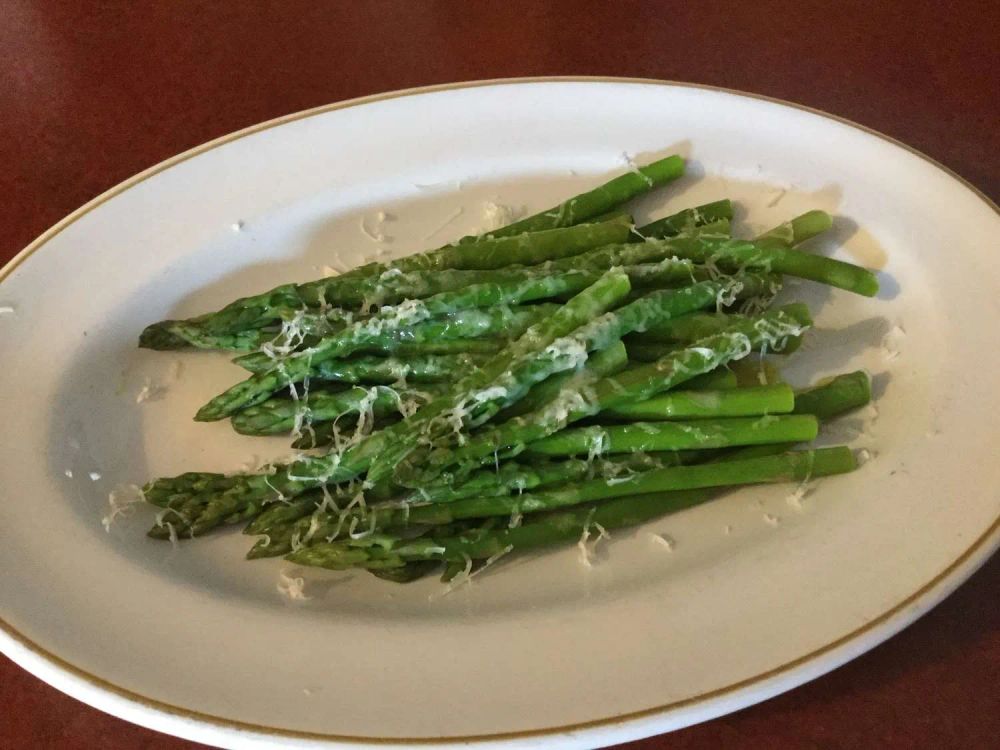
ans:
(515, 389)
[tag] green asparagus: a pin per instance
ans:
(377, 553)
(737, 402)
(671, 226)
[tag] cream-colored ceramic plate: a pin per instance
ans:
(762, 590)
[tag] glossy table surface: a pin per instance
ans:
(91, 94)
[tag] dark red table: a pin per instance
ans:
(93, 93)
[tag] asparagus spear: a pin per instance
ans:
(671, 226)
(840, 394)
(191, 481)
(680, 435)
(796, 231)
(462, 324)
(277, 515)
(651, 352)
(304, 521)
(779, 259)
(395, 285)
(606, 362)
(278, 416)
(719, 379)
(656, 341)
(415, 368)
(632, 254)
(601, 199)
(687, 328)
(408, 572)
(383, 552)
(180, 336)
(737, 402)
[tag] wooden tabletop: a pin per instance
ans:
(93, 93)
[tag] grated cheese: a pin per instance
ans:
(633, 168)
(292, 587)
(612, 481)
(462, 578)
(314, 524)
(173, 534)
(597, 444)
(121, 500)
(891, 342)
(497, 215)
(568, 353)
(150, 392)
(375, 232)
(795, 498)
(585, 551)
(664, 541)
(466, 576)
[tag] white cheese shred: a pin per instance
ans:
(635, 169)
(150, 392)
(374, 231)
(663, 540)
(892, 342)
(121, 501)
(587, 547)
(497, 215)
(292, 587)
(467, 574)
(173, 534)
(795, 497)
